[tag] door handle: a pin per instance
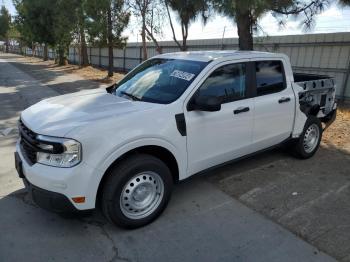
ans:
(284, 100)
(240, 110)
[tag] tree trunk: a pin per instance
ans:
(244, 27)
(46, 51)
(62, 59)
(110, 42)
(143, 36)
(184, 29)
(171, 25)
(158, 47)
(84, 53)
(33, 49)
(84, 58)
(7, 45)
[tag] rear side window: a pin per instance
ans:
(269, 77)
(228, 83)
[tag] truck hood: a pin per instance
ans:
(58, 115)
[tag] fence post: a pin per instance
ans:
(99, 57)
(124, 54)
(90, 62)
(140, 55)
(346, 81)
(73, 55)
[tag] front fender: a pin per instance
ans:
(102, 167)
(116, 153)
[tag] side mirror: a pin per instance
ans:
(109, 89)
(206, 103)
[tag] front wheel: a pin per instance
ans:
(310, 139)
(137, 191)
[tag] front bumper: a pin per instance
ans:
(54, 188)
(51, 201)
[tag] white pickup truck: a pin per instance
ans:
(171, 117)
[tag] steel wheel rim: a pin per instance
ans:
(142, 195)
(311, 138)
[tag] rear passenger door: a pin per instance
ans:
(274, 104)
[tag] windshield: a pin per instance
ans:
(159, 80)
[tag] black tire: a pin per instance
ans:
(118, 179)
(299, 148)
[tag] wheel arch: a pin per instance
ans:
(160, 152)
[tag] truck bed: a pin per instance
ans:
(313, 82)
(319, 91)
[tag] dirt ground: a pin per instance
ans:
(338, 134)
(89, 72)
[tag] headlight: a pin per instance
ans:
(58, 152)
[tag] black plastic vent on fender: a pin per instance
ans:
(181, 124)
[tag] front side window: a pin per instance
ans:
(269, 77)
(228, 83)
(159, 80)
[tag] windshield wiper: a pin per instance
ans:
(135, 98)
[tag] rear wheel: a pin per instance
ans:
(310, 139)
(137, 191)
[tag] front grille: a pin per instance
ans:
(28, 143)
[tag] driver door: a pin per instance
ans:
(217, 137)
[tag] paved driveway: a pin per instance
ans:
(202, 223)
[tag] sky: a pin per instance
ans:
(334, 19)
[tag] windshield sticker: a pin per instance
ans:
(182, 75)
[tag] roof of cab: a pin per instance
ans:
(206, 56)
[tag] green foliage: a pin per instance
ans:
(35, 20)
(189, 11)
(280, 9)
(64, 22)
(246, 14)
(5, 23)
(97, 21)
(46, 22)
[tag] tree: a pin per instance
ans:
(47, 22)
(35, 22)
(81, 29)
(5, 24)
(150, 15)
(107, 21)
(65, 20)
(247, 12)
(187, 12)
